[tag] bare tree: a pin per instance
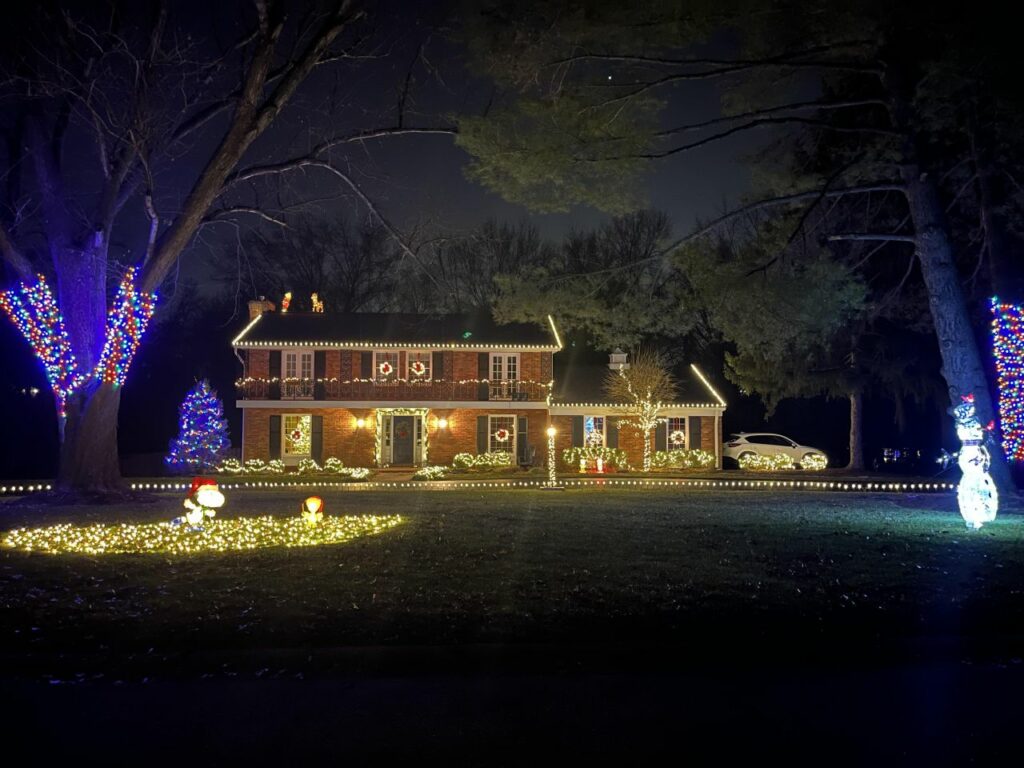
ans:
(123, 127)
(642, 389)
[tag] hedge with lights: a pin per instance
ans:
(610, 457)
(680, 458)
(494, 460)
(755, 462)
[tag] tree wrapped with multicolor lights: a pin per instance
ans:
(203, 432)
(1008, 349)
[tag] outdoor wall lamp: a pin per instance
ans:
(360, 423)
(442, 423)
(552, 431)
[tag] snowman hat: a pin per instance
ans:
(199, 482)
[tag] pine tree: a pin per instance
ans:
(203, 437)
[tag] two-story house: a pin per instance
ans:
(407, 390)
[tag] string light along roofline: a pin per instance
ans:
(240, 343)
(707, 384)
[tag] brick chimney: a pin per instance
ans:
(618, 360)
(258, 306)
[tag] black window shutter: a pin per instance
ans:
(694, 431)
(437, 365)
(319, 372)
(577, 431)
(661, 436)
(611, 432)
(481, 434)
(275, 436)
(366, 365)
(275, 373)
(316, 439)
(483, 362)
(523, 447)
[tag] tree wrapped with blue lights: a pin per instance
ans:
(203, 432)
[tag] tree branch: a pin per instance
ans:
(872, 236)
(10, 253)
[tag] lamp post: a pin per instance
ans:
(552, 478)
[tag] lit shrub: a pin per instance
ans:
(430, 473)
(309, 467)
(611, 457)
(274, 467)
(333, 464)
(496, 460)
(682, 459)
(355, 474)
(754, 462)
(814, 462)
(231, 467)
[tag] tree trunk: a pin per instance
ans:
(856, 431)
(88, 454)
(961, 360)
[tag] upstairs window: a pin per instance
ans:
(385, 366)
(418, 364)
(298, 365)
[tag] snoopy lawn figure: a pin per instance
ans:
(976, 493)
(204, 498)
(313, 510)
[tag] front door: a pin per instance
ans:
(402, 440)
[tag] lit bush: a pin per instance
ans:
(611, 457)
(231, 467)
(756, 463)
(356, 474)
(333, 464)
(274, 467)
(496, 460)
(682, 459)
(309, 467)
(430, 473)
(814, 462)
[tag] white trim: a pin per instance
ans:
(524, 405)
(368, 345)
(616, 409)
(299, 353)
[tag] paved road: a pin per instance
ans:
(943, 713)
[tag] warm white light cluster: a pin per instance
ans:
(755, 462)
(18, 489)
(217, 535)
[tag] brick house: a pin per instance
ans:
(396, 389)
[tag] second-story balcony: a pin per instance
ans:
(424, 390)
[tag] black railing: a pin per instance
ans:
(395, 389)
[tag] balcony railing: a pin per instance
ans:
(437, 390)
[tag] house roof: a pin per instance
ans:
(584, 384)
(394, 329)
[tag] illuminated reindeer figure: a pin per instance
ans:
(976, 493)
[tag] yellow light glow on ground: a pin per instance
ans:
(218, 535)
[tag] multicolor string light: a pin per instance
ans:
(203, 431)
(129, 315)
(1007, 347)
(33, 310)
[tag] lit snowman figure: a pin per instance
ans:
(976, 493)
(204, 499)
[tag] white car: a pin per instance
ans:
(767, 444)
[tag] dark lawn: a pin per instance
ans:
(726, 627)
(791, 576)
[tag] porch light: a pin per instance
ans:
(442, 423)
(360, 423)
(552, 431)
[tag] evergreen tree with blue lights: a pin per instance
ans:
(203, 437)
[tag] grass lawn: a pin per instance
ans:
(740, 574)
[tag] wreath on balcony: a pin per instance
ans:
(677, 437)
(386, 369)
(418, 368)
(502, 435)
